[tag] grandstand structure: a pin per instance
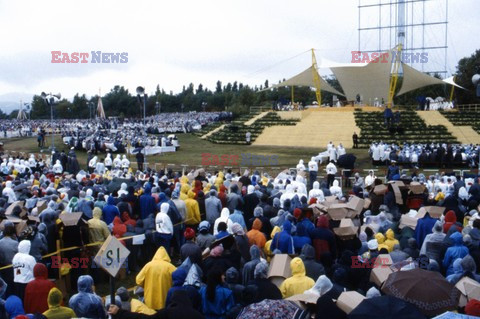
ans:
(317, 127)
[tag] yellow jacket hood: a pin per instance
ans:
(390, 234)
(161, 254)
(380, 238)
(297, 267)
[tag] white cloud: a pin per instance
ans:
(173, 43)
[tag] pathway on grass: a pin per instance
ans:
(464, 134)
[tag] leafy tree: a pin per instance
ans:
(218, 88)
(466, 68)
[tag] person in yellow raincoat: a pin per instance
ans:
(219, 180)
(97, 228)
(299, 282)
(391, 241)
(266, 249)
(193, 210)
(156, 278)
(381, 241)
(55, 308)
(184, 180)
(184, 191)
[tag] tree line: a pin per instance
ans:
(235, 97)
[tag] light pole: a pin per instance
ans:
(157, 107)
(49, 99)
(204, 106)
(140, 94)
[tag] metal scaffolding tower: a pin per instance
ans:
(419, 26)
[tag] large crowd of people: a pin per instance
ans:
(202, 244)
(113, 131)
(420, 155)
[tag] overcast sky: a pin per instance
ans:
(173, 43)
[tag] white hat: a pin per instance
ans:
(372, 244)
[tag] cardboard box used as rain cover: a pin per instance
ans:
(10, 208)
(367, 203)
(349, 300)
(20, 227)
(305, 298)
(380, 189)
(337, 211)
(355, 206)
(318, 209)
(416, 188)
(384, 260)
(433, 211)
(396, 191)
(70, 219)
(346, 230)
(379, 274)
(41, 206)
(469, 288)
(112, 255)
(407, 221)
(279, 269)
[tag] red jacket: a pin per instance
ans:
(36, 292)
(450, 220)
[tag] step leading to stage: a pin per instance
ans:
(464, 134)
(213, 131)
(315, 129)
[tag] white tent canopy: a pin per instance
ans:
(305, 78)
(413, 79)
(370, 81)
(451, 82)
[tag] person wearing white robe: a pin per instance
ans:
(57, 168)
(289, 193)
(108, 162)
(376, 154)
(299, 185)
(370, 178)
(341, 150)
(10, 164)
(336, 190)
(100, 167)
(123, 190)
(92, 164)
(316, 192)
(331, 171)
(125, 162)
(8, 192)
(300, 166)
(32, 163)
(381, 149)
(117, 162)
(330, 145)
(313, 171)
(3, 167)
(332, 154)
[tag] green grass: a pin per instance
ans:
(191, 149)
